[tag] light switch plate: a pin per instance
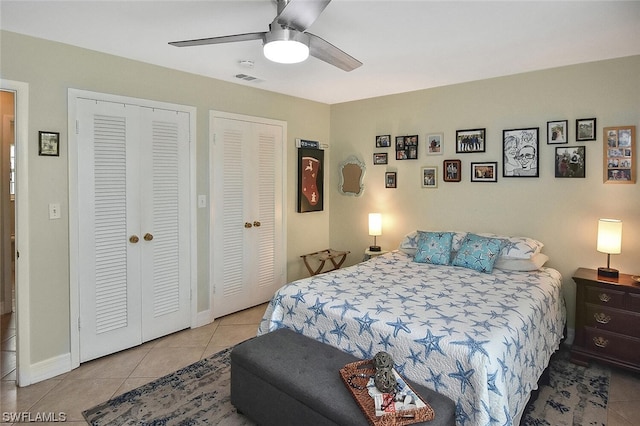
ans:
(202, 201)
(54, 210)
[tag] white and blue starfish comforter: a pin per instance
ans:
(481, 339)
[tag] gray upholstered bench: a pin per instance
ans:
(284, 378)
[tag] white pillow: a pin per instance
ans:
(532, 264)
(518, 247)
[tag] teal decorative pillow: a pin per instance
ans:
(434, 247)
(478, 253)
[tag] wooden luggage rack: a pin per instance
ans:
(336, 257)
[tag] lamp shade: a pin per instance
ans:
(609, 236)
(285, 46)
(375, 224)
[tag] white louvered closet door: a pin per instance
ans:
(247, 244)
(133, 225)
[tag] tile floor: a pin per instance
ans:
(97, 381)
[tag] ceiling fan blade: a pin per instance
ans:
(219, 40)
(300, 14)
(325, 51)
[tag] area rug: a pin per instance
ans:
(575, 395)
(199, 395)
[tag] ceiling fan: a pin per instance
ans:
(287, 40)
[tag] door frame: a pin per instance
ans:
(23, 325)
(74, 289)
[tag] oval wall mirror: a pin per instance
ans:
(352, 177)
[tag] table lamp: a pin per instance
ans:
(375, 229)
(610, 242)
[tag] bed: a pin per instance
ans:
(482, 337)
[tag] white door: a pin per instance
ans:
(247, 243)
(133, 236)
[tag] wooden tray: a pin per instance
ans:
(366, 404)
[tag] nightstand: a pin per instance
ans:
(607, 320)
(368, 254)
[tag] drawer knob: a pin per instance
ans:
(604, 297)
(600, 342)
(602, 318)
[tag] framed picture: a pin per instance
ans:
(619, 154)
(310, 180)
(586, 129)
(435, 144)
(520, 152)
(471, 140)
(407, 147)
(570, 162)
(484, 172)
(380, 158)
(430, 177)
(383, 141)
(49, 144)
(390, 180)
(557, 132)
(452, 170)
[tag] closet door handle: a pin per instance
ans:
(256, 224)
(134, 239)
(248, 225)
(148, 237)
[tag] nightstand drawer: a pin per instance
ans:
(612, 345)
(615, 320)
(634, 302)
(605, 297)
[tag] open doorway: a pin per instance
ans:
(8, 319)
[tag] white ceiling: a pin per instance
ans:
(404, 45)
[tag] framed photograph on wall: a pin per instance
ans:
(557, 132)
(435, 143)
(49, 144)
(429, 177)
(484, 172)
(407, 147)
(452, 170)
(383, 141)
(380, 158)
(619, 154)
(310, 180)
(586, 129)
(390, 180)
(471, 140)
(520, 152)
(570, 161)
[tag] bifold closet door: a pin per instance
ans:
(133, 225)
(247, 244)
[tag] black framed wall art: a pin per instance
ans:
(310, 180)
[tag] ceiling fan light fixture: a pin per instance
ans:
(286, 46)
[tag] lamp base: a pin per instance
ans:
(375, 248)
(608, 272)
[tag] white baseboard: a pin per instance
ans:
(203, 318)
(49, 368)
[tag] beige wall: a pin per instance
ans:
(51, 69)
(562, 213)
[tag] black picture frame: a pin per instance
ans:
(49, 144)
(486, 171)
(383, 141)
(470, 140)
(586, 129)
(557, 132)
(521, 152)
(407, 147)
(570, 161)
(390, 180)
(380, 158)
(452, 170)
(310, 180)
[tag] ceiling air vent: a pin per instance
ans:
(247, 77)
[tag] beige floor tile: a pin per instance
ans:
(628, 410)
(18, 399)
(229, 335)
(624, 386)
(7, 362)
(119, 365)
(133, 383)
(247, 316)
(9, 344)
(73, 396)
(614, 419)
(195, 337)
(213, 349)
(162, 361)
